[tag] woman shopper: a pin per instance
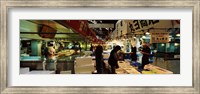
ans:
(113, 59)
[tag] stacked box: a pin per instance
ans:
(84, 65)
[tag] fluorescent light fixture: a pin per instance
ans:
(176, 44)
(178, 35)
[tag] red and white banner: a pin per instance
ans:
(81, 27)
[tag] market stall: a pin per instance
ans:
(73, 44)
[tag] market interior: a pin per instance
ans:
(72, 46)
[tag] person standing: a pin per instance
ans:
(113, 59)
(45, 52)
(51, 58)
(99, 59)
(92, 50)
(146, 53)
(133, 53)
(76, 47)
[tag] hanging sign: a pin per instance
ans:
(44, 30)
(137, 26)
(81, 27)
(159, 37)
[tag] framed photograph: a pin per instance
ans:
(34, 32)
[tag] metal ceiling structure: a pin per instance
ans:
(56, 29)
(70, 29)
(32, 29)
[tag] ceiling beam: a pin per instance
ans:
(101, 25)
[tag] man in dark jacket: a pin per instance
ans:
(99, 60)
(133, 53)
(146, 52)
(113, 59)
